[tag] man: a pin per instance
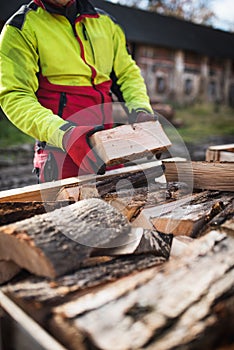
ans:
(58, 61)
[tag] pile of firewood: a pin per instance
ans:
(132, 259)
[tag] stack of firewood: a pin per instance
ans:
(141, 257)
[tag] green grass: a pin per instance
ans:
(10, 135)
(199, 122)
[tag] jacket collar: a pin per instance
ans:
(82, 7)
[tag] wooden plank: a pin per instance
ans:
(187, 216)
(8, 270)
(40, 192)
(48, 191)
(219, 156)
(220, 153)
(228, 147)
(202, 175)
(129, 142)
(164, 310)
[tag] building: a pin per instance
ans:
(181, 61)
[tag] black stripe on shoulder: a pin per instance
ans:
(17, 20)
(102, 12)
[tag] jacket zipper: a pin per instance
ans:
(62, 103)
(86, 37)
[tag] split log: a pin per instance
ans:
(8, 270)
(163, 310)
(220, 153)
(49, 191)
(187, 216)
(121, 181)
(228, 227)
(202, 175)
(128, 142)
(54, 243)
(37, 296)
(15, 211)
(128, 192)
(226, 214)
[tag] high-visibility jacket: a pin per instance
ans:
(57, 61)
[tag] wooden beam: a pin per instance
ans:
(165, 310)
(202, 175)
(128, 142)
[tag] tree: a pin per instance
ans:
(198, 11)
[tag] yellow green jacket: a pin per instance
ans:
(56, 61)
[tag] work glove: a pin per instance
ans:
(77, 144)
(141, 116)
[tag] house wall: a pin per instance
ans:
(185, 77)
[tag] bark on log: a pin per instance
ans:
(54, 243)
(44, 245)
(226, 214)
(129, 142)
(187, 216)
(202, 175)
(48, 191)
(16, 211)
(164, 310)
(37, 296)
(8, 270)
(124, 196)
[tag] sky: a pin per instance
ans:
(224, 11)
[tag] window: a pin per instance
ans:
(160, 85)
(212, 89)
(188, 87)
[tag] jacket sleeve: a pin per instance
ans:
(18, 85)
(128, 75)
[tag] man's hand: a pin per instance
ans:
(141, 116)
(76, 144)
(144, 117)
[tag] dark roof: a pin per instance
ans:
(154, 29)
(9, 7)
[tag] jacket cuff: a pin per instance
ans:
(57, 138)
